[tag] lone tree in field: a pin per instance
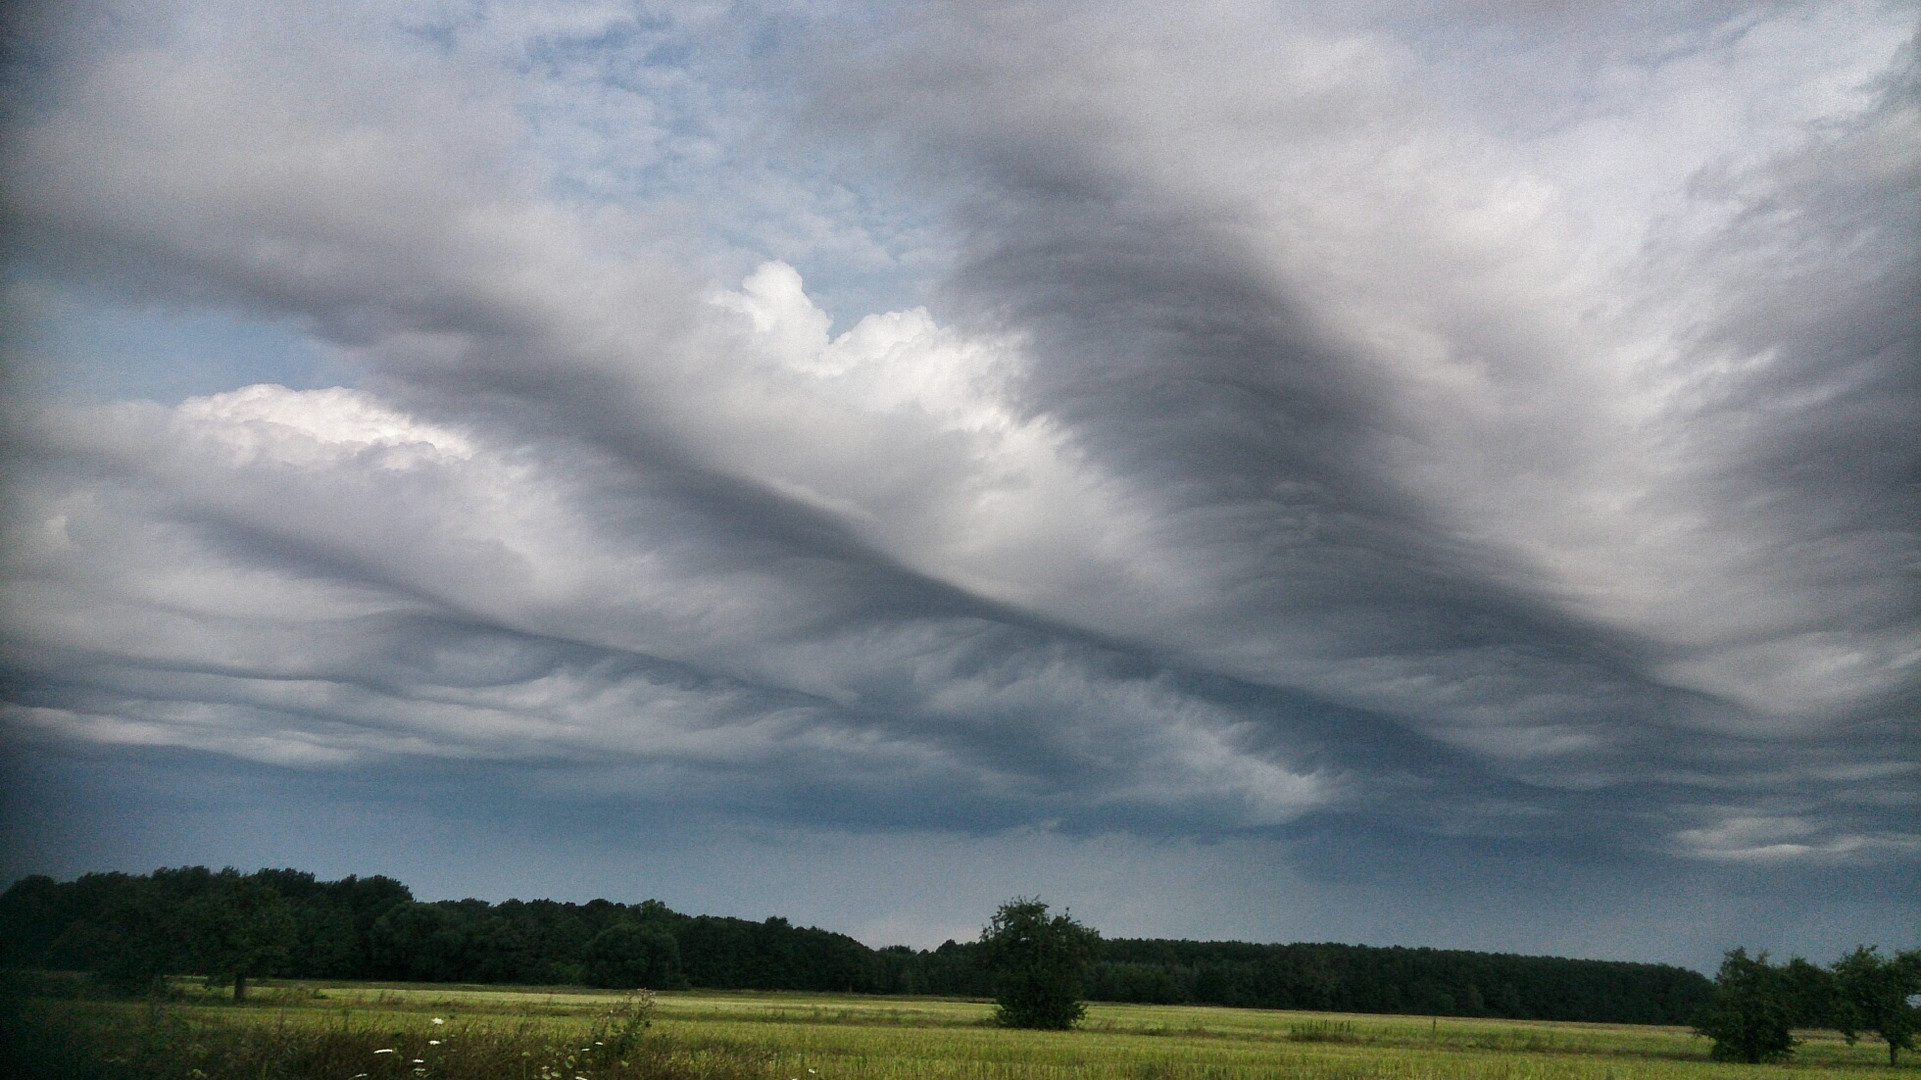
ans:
(1751, 1012)
(1037, 963)
(237, 929)
(1872, 995)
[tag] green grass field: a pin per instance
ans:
(531, 1034)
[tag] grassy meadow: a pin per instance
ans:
(339, 1031)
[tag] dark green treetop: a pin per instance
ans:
(1751, 1012)
(1873, 994)
(630, 955)
(238, 928)
(1038, 964)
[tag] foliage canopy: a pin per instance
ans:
(127, 929)
(1038, 964)
(1751, 1013)
(1872, 994)
(239, 927)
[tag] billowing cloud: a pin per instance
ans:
(1459, 425)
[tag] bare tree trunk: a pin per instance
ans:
(239, 988)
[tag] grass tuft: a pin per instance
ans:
(1328, 1031)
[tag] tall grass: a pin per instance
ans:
(164, 1040)
(389, 1032)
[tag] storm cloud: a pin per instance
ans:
(993, 430)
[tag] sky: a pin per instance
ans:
(1434, 474)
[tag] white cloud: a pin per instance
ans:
(1752, 839)
(1487, 423)
(248, 581)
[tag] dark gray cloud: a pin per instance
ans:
(1317, 451)
(1138, 226)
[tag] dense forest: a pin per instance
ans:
(127, 928)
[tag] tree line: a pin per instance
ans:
(1757, 1006)
(129, 929)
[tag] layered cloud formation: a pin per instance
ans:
(1269, 422)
